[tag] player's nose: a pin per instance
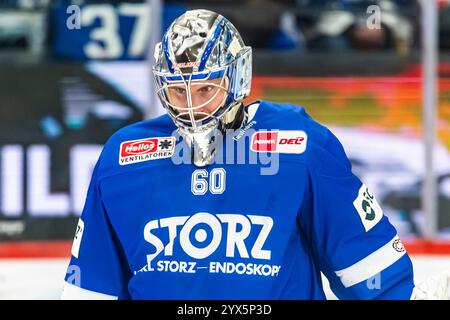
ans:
(199, 105)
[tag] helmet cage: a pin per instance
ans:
(190, 114)
(235, 83)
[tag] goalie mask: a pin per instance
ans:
(203, 74)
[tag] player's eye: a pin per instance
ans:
(205, 89)
(179, 90)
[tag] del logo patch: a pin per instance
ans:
(146, 149)
(286, 141)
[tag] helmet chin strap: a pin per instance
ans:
(205, 143)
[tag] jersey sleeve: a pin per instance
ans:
(353, 242)
(97, 268)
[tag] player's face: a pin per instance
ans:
(206, 97)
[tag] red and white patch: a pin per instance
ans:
(286, 141)
(146, 149)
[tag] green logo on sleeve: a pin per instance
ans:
(368, 208)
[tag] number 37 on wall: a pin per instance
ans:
(106, 40)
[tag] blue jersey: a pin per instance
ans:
(154, 228)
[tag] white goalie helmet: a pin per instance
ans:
(203, 73)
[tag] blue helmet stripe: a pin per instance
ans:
(166, 52)
(209, 47)
(199, 76)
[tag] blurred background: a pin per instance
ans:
(74, 72)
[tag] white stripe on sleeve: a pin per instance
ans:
(72, 292)
(373, 264)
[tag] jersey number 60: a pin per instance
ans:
(200, 182)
